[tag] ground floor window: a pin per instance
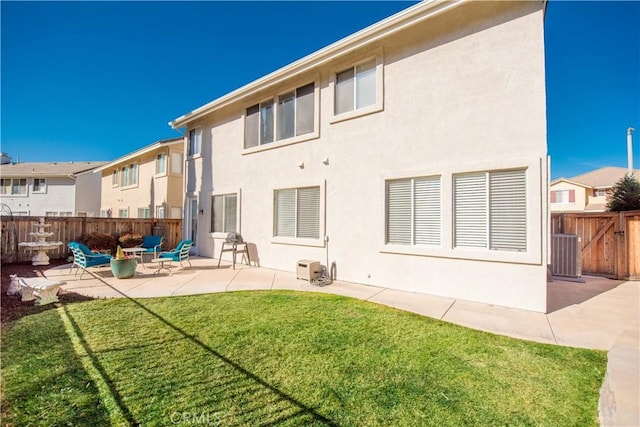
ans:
(297, 212)
(224, 214)
(413, 211)
(490, 210)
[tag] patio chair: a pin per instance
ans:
(180, 253)
(84, 258)
(152, 245)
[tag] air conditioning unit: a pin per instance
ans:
(307, 269)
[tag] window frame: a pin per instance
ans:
(275, 100)
(42, 189)
(489, 227)
(129, 176)
(301, 241)
(378, 58)
(224, 195)
(162, 159)
(194, 147)
(11, 186)
(416, 209)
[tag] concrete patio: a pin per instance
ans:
(597, 314)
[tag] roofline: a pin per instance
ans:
(141, 151)
(48, 174)
(410, 16)
(570, 182)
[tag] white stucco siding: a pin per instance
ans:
(88, 190)
(59, 196)
(453, 103)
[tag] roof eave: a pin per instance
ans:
(140, 152)
(419, 12)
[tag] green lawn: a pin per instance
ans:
(277, 357)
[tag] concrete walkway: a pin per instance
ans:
(597, 314)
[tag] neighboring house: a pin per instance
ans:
(51, 189)
(412, 154)
(587, 192)
(147, 183)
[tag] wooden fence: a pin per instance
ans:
(610, 241)
(67, 229)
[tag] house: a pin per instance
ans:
(146, 183)
(410, 155)
(51, 188)
(587, 192)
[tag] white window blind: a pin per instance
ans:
(308, 209)
(508, 210)
(414, 211)
(399, 212)
(491, 210)
(285, 213)
(470, 210)
(427, 209)
(297, 212)
(224, 213)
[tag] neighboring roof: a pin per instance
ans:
(603, 178)
(47, 169)
(569, 182)
(141, 151)
(410, 16)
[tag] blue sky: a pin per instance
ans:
(97, 80)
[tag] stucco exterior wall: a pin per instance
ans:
(59, 196)
(462, 92)
(151, 190)
(87, 194)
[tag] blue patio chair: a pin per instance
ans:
(152, 245)
(180, 253)
(84, 258)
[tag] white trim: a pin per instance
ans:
(345, 65)
(401, 20)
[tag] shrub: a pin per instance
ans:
(98, 241)
(129, 240)
(625, 195)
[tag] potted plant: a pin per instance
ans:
(123, 266)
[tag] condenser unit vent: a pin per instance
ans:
(566, 255)
(308, 270)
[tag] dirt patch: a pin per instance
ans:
(12, 307)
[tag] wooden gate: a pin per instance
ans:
(610, 241)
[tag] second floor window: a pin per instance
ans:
(290, 114)
(563, 196)
(161, 164)
(130, 175)
(356, 87)
(39, 185)
(13, 186)
(195, 142)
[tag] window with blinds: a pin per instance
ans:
(355, 87)
(290, 114)
(224, 213)
(490, 210)
(297, 212)
(413, 211)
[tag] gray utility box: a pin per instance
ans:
(307, 269)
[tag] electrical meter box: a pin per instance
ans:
(307, 269)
